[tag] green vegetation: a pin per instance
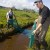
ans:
(48, 38)
(23, 18)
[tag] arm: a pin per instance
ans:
(38, 27)
(7, 16)
(14, 15)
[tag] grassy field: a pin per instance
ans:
(48, 38)
(23, 18)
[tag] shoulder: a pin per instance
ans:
(7, 13)
(45, 11)
(45, 8)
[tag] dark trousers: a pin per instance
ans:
(10, 22)
(38, 42)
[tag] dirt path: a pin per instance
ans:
(16, 42)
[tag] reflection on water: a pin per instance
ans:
(28, 32)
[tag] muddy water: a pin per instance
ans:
(16, 42)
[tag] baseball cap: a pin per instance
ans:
(37, 1)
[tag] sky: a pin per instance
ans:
(20, 4)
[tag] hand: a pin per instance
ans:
(36, 20)
(34, 31)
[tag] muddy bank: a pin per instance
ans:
(12, 31)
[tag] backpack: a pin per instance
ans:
(10, 15)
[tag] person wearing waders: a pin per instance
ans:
(42, 25)
(9, 17)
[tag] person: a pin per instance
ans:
(42, 25)
(9, 17)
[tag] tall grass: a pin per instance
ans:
(23, 17)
